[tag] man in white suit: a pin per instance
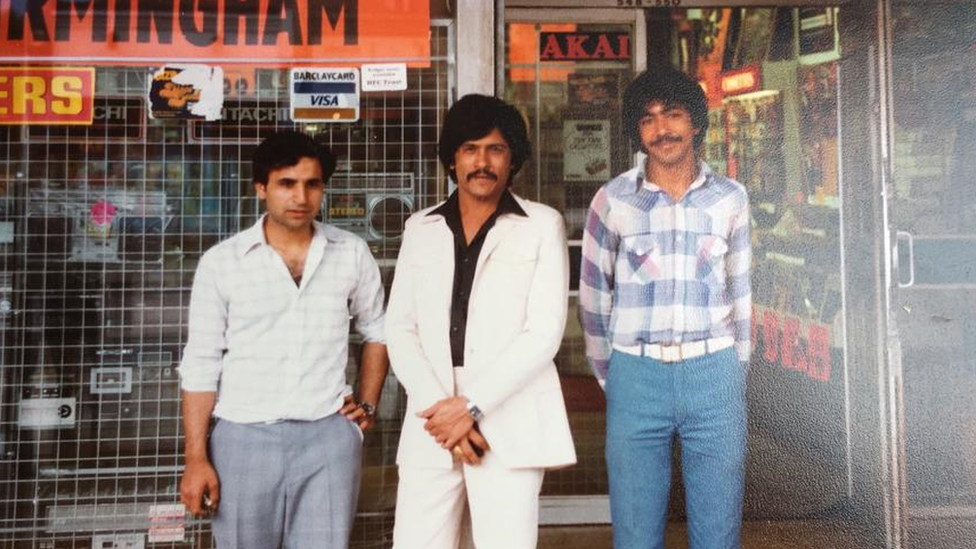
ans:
(476, 315)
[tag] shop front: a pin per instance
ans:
(858, 418)
(126, 132)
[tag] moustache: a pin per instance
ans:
(482, 173)
(666, 139)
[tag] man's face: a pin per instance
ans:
(667, 133)
(293, 194)
(483, 167)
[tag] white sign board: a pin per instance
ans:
(586, 150)
(324, 95)
(167, 522)
(118, 541)
(47, 413)
(385, 77)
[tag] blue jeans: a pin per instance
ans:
(702, 400)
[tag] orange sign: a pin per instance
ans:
(266, 32)
(741, 81)
(47, 95)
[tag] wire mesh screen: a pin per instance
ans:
(101, 228)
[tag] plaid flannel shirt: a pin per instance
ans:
(657, 271)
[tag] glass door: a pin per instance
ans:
(566, 71)
(932, 203)
(794, 116)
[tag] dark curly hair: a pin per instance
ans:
(475, 116)
(286, 148)
(671, 87)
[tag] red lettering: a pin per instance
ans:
(623, 46)
(603, 49)
(552, 50)
(790, 353)
(770, 337)
(818, 352)
(574, 47)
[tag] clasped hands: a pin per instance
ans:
(449, 422)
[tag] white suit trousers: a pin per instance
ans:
(503, 503)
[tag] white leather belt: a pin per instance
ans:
(679, 351)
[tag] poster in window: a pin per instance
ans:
(586, 150)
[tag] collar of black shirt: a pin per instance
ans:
(451, 208)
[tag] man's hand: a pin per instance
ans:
(465, 448)
(354, 412)
(199, 488)
(448, 421)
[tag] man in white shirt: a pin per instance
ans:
(266, 355)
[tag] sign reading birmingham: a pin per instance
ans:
(276, 31)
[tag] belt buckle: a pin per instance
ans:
(671, 353)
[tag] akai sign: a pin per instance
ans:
(47, 95)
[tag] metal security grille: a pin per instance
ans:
(101, 228)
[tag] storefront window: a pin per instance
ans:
(101, 229)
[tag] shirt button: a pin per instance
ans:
(465, 260)
(454, 328)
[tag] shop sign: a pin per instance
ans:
(115, 119)
(324, 95)
(268, 32)
(584, 46)
(741, 81)
(791, 344)
(586, 150)
(46, 95)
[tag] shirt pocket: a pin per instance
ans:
(711, 250)
(643, 255)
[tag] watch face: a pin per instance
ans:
(368, 408)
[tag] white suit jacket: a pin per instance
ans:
(516, 317)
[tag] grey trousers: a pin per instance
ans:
(290, 484)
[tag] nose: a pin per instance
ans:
(300, 194)
(481, 157)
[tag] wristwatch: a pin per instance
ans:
(368, 409)
(475, 412)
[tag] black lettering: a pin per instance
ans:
(33, 10)
(62, 19)
(233, 11)
(275, 24)
(188, 24)
(158, 13)
(333, 8)
(120, 32)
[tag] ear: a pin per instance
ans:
(261, 189)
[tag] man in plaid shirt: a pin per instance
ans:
(665, 304)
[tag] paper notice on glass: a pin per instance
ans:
(167, 522)
(586, 150)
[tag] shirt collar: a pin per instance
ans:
(451, 208)
(253, 236)
(704, 176)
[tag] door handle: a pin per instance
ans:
(910, 241)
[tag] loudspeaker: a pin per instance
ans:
(373, 206)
